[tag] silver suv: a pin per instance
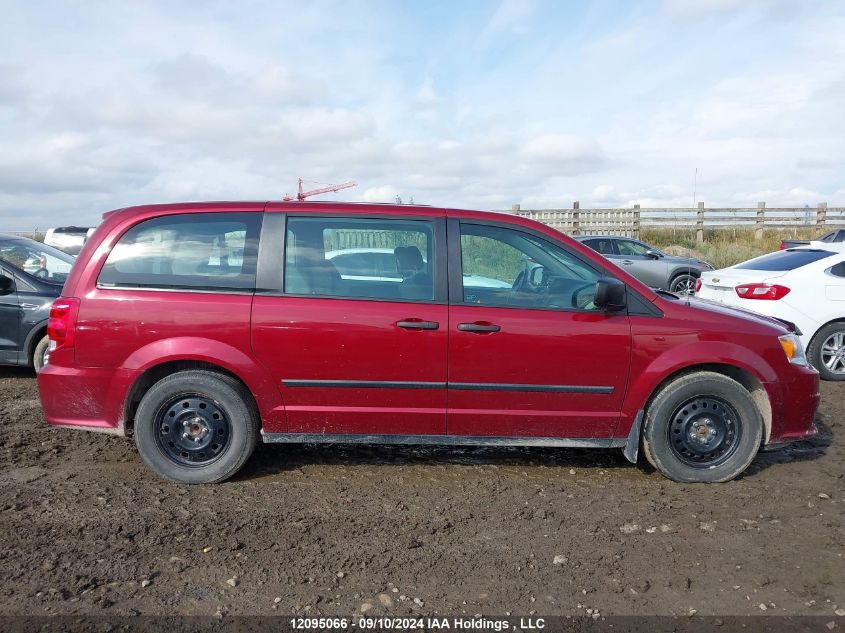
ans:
(647, 263)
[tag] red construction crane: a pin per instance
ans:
(328, 189)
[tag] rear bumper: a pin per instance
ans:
(794, 418)
(85, 398)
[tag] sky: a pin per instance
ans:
(470, 103)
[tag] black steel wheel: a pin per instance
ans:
(704, 432)
(193, 430)
(702, 427)
(196, 426)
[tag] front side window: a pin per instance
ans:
(359, 258)
(504, 267)
(44, 262)
(204, 251)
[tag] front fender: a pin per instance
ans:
(647, 375)
(193, 348)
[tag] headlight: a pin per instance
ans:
(793, 349)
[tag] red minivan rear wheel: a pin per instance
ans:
(196, 427)
(702, 427)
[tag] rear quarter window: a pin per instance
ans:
(785, 260)
(203, 251)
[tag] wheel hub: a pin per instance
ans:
(195, 429)
(702, 431)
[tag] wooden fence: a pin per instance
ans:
(630, 222)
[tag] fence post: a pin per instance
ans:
(637, 221)
(761, 220)
(515, 209)
(576, 217)
(699, 223)
(821, 214)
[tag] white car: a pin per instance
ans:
(803, 285)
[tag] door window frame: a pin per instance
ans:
(272, 249)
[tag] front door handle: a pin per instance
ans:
(627, 262)
(416, 324)
(479, 328)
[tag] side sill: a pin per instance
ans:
(440, 440)
(119, 430)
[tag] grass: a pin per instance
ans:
(722, 247)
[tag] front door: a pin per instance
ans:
(529, 354)
(10, 321)
(356, 336)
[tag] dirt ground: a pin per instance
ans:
(85, 528)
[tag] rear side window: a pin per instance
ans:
(359, 258)
(199, 251)
(785, 260)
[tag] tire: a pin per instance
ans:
(683, 284)
(196, 427)
(702, 428)
(39, 354)
(828, 344)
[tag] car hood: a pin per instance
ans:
(712, 307)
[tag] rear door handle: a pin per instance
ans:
(478, 327)
(416, 324)
(627, 262)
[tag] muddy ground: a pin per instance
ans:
(85, 528)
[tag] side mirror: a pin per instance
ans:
(653, 254)
(610, 294)
(7, 285)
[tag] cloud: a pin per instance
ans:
(157, 102)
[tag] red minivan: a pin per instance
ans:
(201, 329)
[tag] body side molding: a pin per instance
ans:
(459, 386)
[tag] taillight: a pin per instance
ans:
(768, 292)
(62, 321)
(782, 246)
(698, 284)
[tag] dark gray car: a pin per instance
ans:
(648, 264)
(31, 277)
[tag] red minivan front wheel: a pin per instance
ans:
(702, 427)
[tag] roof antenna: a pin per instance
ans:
(689, 248)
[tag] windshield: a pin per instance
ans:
(39, 260)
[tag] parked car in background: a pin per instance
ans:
(650, 265)
(804, 286)
(198, 358)
(833, 236)
(68, 238)
(31, 277)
